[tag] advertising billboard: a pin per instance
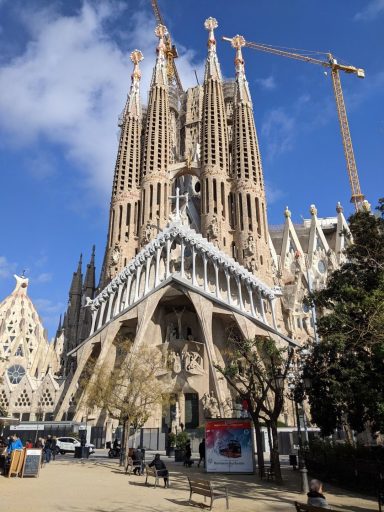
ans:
(229, 446)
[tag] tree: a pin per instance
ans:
(256, 369)
(132, 388)
(347, 366)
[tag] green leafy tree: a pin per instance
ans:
(131, 389)
(254, 369)
(347, 366)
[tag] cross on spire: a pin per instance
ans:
(177, 197)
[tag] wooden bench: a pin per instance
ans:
(205, 488)
(302, 507)
(152, 472)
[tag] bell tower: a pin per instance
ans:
(251, 239)
(214, 152)
(124, 218)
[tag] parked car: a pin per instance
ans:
(68, 445)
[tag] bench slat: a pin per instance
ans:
(200, 486)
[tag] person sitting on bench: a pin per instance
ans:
(137, 459)
(160, 468)
(316, 497)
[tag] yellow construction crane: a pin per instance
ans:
(331, 63)
(171, 51)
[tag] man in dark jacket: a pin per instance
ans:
(316, 497)
(48, 449)
(160, 468)
(201, 452)
(188, 454)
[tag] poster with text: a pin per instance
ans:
(229, 446)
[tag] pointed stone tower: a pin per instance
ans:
(89, 288)
(155, 185)
(124, 218)
(74, 307)
(214, 176)
(252, 244)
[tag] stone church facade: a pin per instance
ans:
(190, 256)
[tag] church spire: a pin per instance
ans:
(159, 76)
(212, 66)
(242, 88)
(215, 151)
(77, 279)
(250, 204)
(125, 204)
(155, 187)
(90, 280)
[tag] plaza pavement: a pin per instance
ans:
(99, 485)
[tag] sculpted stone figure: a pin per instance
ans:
(214, 228)
(171, 332)
(147, 234)
(250, 247)
(192, 362)
(175, 361)
(116, 255)
(210, 405)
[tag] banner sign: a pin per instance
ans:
(229, 446)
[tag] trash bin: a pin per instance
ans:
(293, 460)
(81, 452)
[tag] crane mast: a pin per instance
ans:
(171, 51)
(356, 197)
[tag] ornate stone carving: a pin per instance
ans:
(213, 228)
(250, 246)
(252, 265)
(147, 234)
(210, 405)
(115, 255)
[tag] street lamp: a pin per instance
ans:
(299, 385)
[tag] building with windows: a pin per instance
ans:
(29, 365)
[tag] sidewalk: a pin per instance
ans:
(100, 485)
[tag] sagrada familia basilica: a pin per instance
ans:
(189, 257)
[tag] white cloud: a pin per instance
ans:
(7, 268)
(48, 307)
(273, 193)
(44, 277)
(277, 131)
(372, 10)
(71, 82)
(269, 83)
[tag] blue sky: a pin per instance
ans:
(64, 76)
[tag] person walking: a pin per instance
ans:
(160, 468)
(201, 452)
(316, 497)
(39, 443)
(54, 447)
(48, 449)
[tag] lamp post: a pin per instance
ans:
(299, 385)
